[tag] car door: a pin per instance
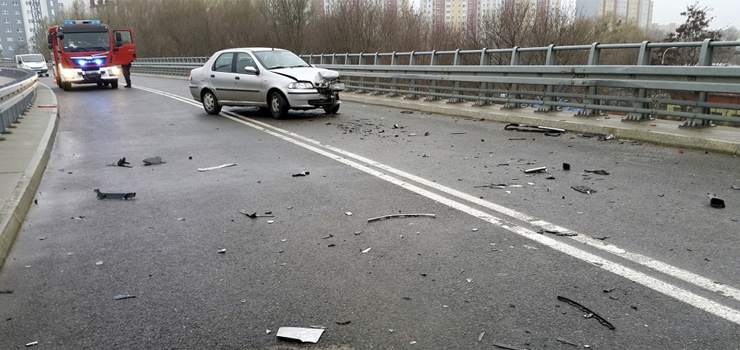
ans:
(222, 76)
(247, 86)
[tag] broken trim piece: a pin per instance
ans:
(101, 195)
(306, 335)
(217, 167)
(588, 311)
(548, 131)
(392, 216)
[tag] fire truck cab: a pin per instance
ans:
(87, 52)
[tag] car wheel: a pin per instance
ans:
(278, 105)
(332, 110)
(66, 86)
(113, 84)
(100, 84)
(210, 103)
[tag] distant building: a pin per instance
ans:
(326, 6)
(638, 11)
(18, 22)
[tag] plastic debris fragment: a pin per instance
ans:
(302, 173)
(366, 250)
(32, 343)
(153, 160)
(306, 335)
(591, 314)
(566, 166)
(499, 186)
(548, 131)
(255, 215)
(583, 189)
(715, 202)
(101, 195)
(565, 341)
(505, 346)
(217, 167)
(348, 213)
(480, 336)
(124, 296)
(7, 291)
(542, 169)
(221, 251)
(597, 171)
(379, 218)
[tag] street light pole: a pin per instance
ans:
(662, 60)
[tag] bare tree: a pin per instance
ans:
(288, 20)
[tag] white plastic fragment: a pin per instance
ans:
(480, 336)
(99, 262)
(412, 342)
(222, 251)
(366, 250)
(217, 167)
(267, 331)
(32, 343)
(348, 213)
(306, 335)
(271, 221)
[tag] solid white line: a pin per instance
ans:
(636, 276)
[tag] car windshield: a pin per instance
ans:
(86, 42)
(280, 59)
(33, 58)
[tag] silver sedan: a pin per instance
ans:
(267, 78)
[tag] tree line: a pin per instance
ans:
(167, 28)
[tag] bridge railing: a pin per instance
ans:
(177, 66)
(699, 94)
(17, 93)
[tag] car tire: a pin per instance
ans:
(278, 105)
(332, 110)
(113, 84)
(210, 103)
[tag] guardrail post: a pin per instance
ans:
(362, 87)
(378, 84)
(433, 83)
(550, 60)
(485, 60)
(641, 94)
(394, 81)
(705, 59)
(594, 59)
(513, 88)
(412, 83)
(457, 61)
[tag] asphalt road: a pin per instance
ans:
(649, 255)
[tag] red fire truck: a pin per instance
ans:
(87, 52)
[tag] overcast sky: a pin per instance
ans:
(726, 13)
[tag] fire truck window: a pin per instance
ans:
(126, 38)
(223, 62)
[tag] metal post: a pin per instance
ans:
(705, 59)
(456, 89)
(433, 83)
(485, 60)
(412, 89)
(513, 88)
(394, 81)
(378, 85)
(594, 59)
(550, 60)
(642, 60)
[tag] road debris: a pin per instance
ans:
(255, 215)
(306, 335)
(7, 291)
(343, 323)
(506, 346)
(267, 331)
(153, 160)
(366, 250)
(565, 341)
(480, 336)
(542, 169)
(499, 186)
(557, 233)
(583, 189)
(391, 216)
(216, 167)
(548, 131)
(348, 213)
(126, 196)
(221, 251)
(602, 238)
(328, 236)
(99, 262)
(605, 137)
(597, 171)
(566, 166)
(736, 188)
(407, 112)
(124, 296)
(302, 173)
(121, 162)
(589, 313)
(32, 343)
(715, 202)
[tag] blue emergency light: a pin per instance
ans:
(82, 22)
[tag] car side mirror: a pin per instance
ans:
(251, 70)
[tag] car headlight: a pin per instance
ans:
(300, 85)
(337, 86)
(115, 70)
(68, 73)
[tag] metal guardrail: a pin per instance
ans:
(640, 91)
(16, 97)
(701, 94)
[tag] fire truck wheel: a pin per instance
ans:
(113, 84)
(66, 86)
(210, 103)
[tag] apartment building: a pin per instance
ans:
(18, 22)
(638, 11)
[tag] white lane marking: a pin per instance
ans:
(676, 272)
(636, 276)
